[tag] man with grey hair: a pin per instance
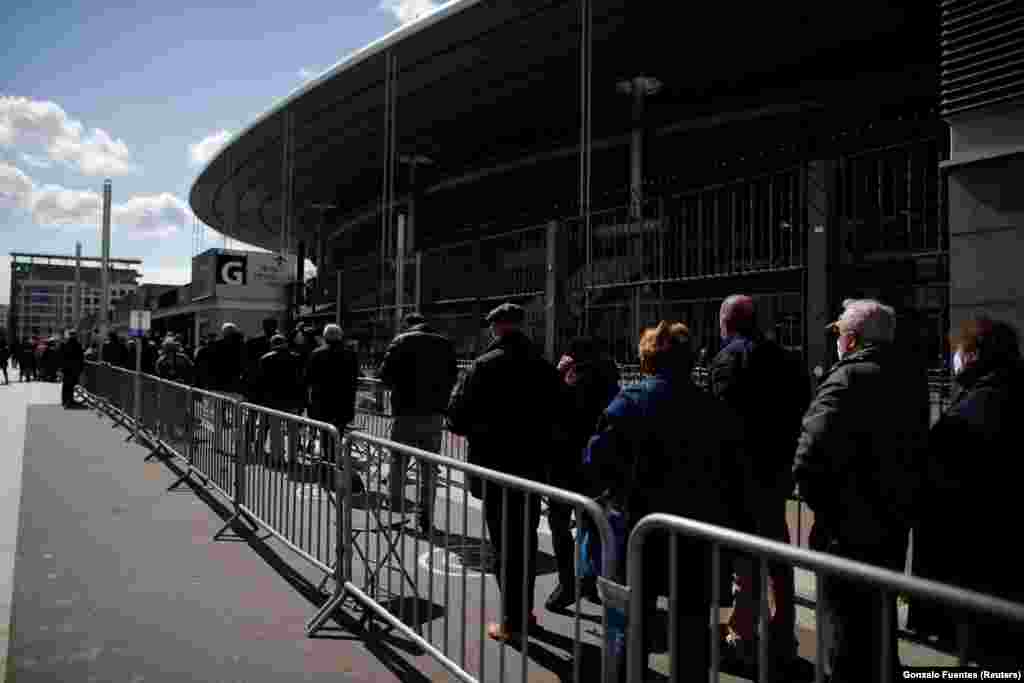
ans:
(857, 466)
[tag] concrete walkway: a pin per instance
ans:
(14, 401)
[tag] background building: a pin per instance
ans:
(43, 292)
(243, 287)
(606, 166)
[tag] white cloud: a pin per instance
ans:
(37, 162)
(201, 152)
(141, 217)
(46, 126)
(408, 10)
(16, 188)
(172, 270)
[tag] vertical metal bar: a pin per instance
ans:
(636, 663)
(447, 536)
(716, 587)
(465, 533)
(820, 624)
(525, 623)
(772, 222)
(734, 249)
(503, 586)
(346, 544)
(378, 530)
(700, 235)
(886, 635)
(762, 621)
(576, 644)
(673, 606)
(403, 460)
(483, 578)
(430, 573)
(751, 223)
(716, 256)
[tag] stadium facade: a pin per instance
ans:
(607, 164)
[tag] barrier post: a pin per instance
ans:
(138, 387)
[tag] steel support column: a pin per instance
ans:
(817, 179)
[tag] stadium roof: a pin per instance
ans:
(483, 85)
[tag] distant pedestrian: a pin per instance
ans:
(332, 377)
(173, 364)
(72, 362)
(27, 363)
(5, 356)
(858, 464)
(506, 405)
(420, 369)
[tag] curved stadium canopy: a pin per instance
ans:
(481, 86)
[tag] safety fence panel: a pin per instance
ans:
(287, 481)
(420, 558)
(212, 449)
(710, 541)
(89, 377)
(120, 389)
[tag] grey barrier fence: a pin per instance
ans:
(281, 473)
(888, 583)
(286, 481)
(380, 538)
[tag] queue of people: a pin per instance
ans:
(858, 448)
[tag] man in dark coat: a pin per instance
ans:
(72, 362)
(769, 391)
(857, 465)
(204, 361)
(506, 405)
(280, 377)
(590, 380)
(113, 351)
(332, 377)
(420, 369)
(228, 369)
(983, 422)
(27, 361)
(255, 349)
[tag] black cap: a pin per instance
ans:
(414, 319)
(506, 313)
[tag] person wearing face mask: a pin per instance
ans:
(857, 466)
(962, 493)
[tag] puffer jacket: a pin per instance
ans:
(859, 457)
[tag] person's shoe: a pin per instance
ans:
(503, 634)
(588, 590)
(559, 599)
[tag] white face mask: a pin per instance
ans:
(958, 363)
(839, 348)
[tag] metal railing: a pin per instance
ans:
(889, 583)
(296, 478)
(380, 541)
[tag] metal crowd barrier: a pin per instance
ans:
(376, 572)
(286, 481)
(212, 445)
(889, 583)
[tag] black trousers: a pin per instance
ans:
(852, 613)
(507, 541)
(560, 521)
(67, 390)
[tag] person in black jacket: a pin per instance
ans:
(590, 380)
(332, 377)
(255, 349)
(857, 466)
(769, 391)
(982, 424)
(5, 356)
(507, 407)
(279, 378)
(204, 361)
(420, 369)
(113, 352)
(228, 368)
(72, 362)
(27, 361)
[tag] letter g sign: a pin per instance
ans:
(231, 270)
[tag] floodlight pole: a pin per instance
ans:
(105, 267)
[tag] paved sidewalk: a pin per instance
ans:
(14, 401)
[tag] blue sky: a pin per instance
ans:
(143, 93)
